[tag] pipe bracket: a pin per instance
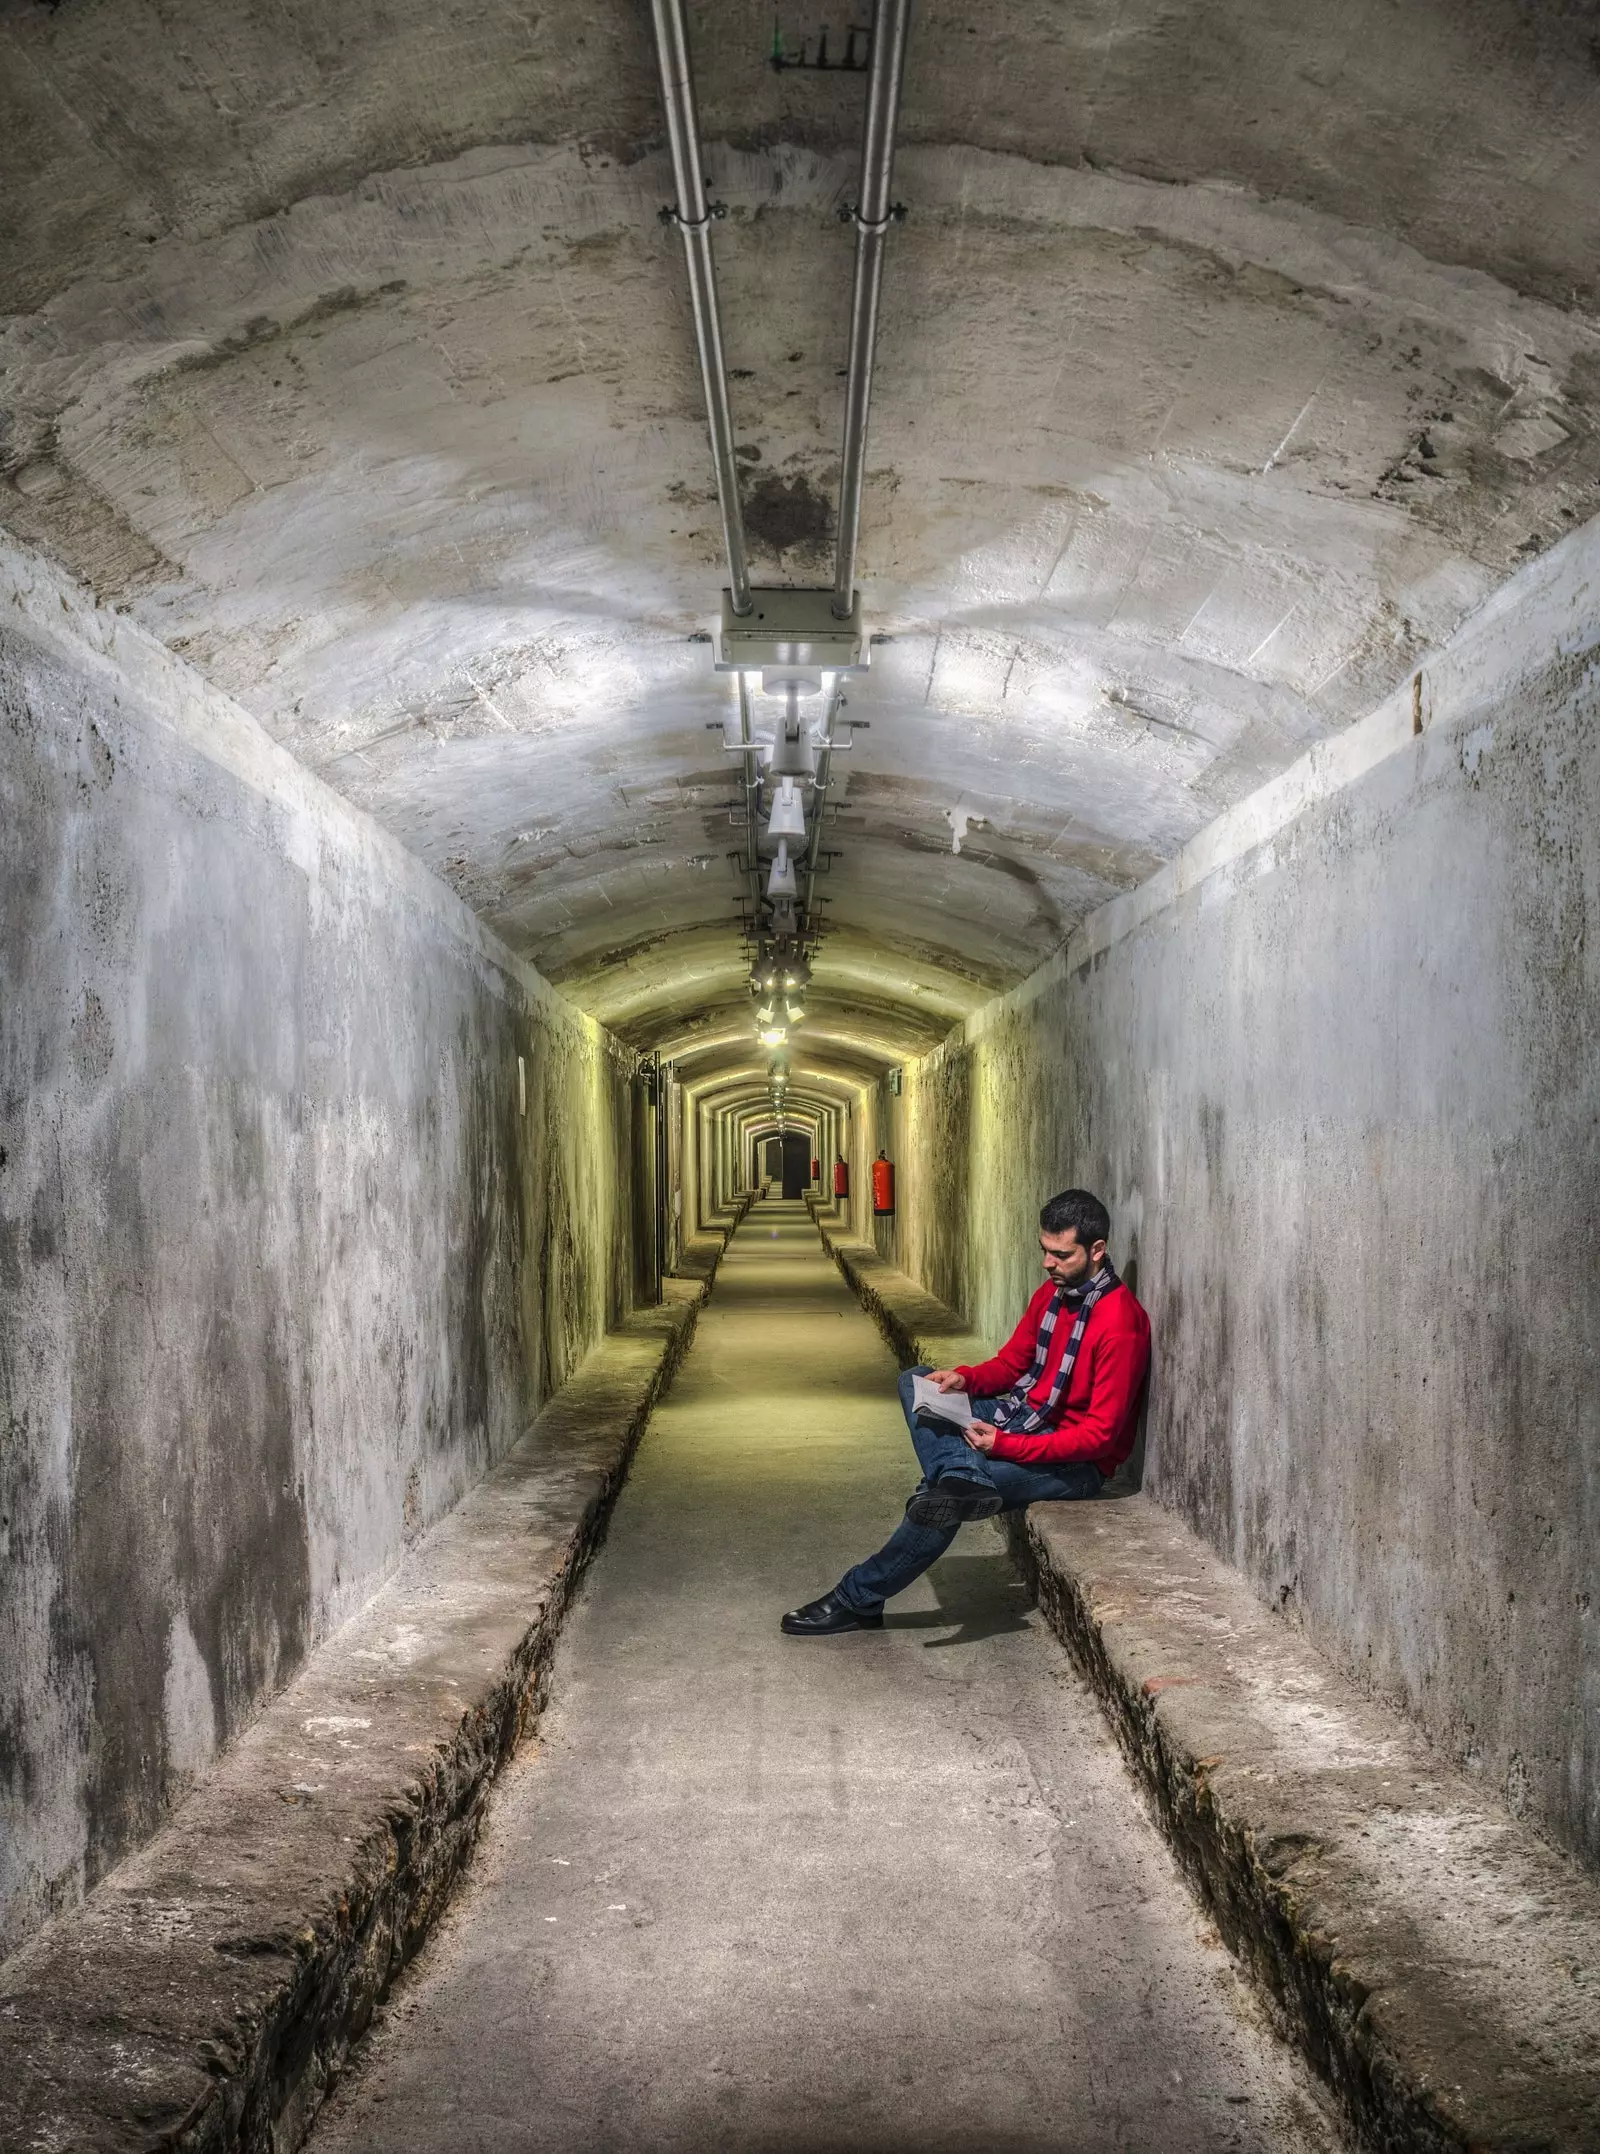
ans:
(669, 214)
(850, 213)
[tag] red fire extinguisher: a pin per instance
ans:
(882, 1185)
(841, 1177)
(816, 1170)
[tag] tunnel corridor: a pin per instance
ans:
(885, 1891)
(669, 672)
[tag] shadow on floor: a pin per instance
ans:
(808, 2138)
(982, 1596)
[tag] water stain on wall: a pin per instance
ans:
(266, 1212)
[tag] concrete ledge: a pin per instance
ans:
(208, 1990)
(917, 1326)
(698, 1259)
(702, 1253)
(1437, 1962)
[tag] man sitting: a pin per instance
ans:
(1053, 1417)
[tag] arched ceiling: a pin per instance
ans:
(1230, 354)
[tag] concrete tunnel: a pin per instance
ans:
(612, 618)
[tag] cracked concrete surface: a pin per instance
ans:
(1228, 360)
(879, 1892)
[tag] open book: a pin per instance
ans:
(929, 1403)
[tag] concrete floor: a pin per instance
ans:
(881, 1892)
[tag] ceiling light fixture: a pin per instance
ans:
(793, 753)
(774, 1035)
(781, 882)
(788, 817)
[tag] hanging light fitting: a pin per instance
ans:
(788, 817)
(781, 882)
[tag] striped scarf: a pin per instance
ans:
(1013, 1413)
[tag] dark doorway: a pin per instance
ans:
(773, 1169)
(796, 1165)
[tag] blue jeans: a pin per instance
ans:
(910, 1549)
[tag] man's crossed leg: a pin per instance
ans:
(958, 1484)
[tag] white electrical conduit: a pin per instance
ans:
(874, 214)
(693, 217)
(825, 746)
(751, 779)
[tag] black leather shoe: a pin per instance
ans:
(955, 1499)
(820, 1619)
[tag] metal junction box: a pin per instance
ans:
(791, 631)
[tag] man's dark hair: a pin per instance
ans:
(1075, 1211)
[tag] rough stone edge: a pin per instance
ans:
(418, 1852)
(1272, 1929)
(915, 1326)
(269, 2084)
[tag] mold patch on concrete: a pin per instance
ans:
(789, 515)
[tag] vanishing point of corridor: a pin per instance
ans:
(884, 1892)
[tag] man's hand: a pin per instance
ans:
(981, 1435)
(947, 1379)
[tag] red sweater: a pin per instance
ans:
(1102, 1400)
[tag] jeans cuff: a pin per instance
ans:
(856, 1607)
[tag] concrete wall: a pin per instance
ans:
(1337, 1072)
(283, 1265)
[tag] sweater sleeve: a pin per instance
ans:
(1120, 1358)
(988, 1378)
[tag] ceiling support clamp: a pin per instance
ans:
(850, 213)
(668, 214)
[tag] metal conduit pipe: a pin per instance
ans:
(752, 788)
(824, 762)
(693, 218)
(874, 214)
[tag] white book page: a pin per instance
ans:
(926, 1397)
